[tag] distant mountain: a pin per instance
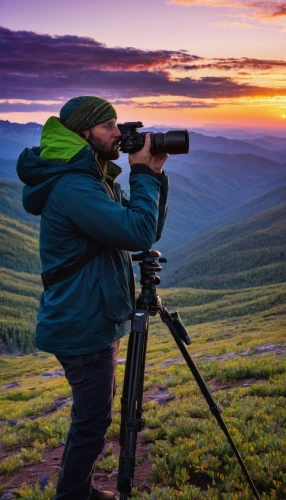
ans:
(268, 183)
(27, 133)
(8, 170)
(10, 149)
(14, 138)
(254, 207)
(270, 142)
(248, 253)
(239, 213)
(242, 163)
(190, 207)
(237, 177)
(231, 146)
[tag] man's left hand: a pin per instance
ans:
(157, 161)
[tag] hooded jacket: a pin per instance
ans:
(80, 210)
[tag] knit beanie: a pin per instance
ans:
(81, 113)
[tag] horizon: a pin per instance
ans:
(208, 63)
(214, 128)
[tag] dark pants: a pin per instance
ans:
(92, 378)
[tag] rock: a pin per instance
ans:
(121, 361)
(44, 481)
(10, 386)
(114, 473)
(265, 348)
(8, 496)
(145, 487)
(172, 361)
(162, 397)
(225, 355)
(14, 421)
(61, 403)
(57, 373)
(197, 355)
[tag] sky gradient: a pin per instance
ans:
(190, 63)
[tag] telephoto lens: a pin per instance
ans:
(173, 142)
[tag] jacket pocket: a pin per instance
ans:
(117, 304)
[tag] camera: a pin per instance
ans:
(173, 142)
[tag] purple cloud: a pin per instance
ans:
(167, 104)
(44, 68)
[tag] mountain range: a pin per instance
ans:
(226, 203)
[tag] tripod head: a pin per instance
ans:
(149, 264)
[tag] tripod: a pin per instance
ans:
(149, 304)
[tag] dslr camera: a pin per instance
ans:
(173, 142)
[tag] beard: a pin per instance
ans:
(105, 152)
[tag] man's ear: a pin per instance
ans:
(86, 133)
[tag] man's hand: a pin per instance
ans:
(155, 162)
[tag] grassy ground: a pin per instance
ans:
(238, 344)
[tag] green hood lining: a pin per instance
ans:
(61, 144)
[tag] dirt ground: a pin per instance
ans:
(50, 466)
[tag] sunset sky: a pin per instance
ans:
(191, 63)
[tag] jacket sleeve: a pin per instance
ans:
(163, 205)
(86, 203)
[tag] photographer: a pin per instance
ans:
(87, 230)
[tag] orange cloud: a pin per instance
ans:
(266, 9)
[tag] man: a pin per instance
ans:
(87, 231)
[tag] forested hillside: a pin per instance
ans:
(19, 294)
(11, 203)
(20, 288)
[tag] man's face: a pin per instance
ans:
(106, 138)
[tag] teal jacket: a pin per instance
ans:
(81, 210)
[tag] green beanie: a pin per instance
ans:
(81, 113)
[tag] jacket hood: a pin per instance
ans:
(61, 151)
(59, 143)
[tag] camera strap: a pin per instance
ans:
(50, 278)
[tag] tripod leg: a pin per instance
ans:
(179, 332)
(131, 402)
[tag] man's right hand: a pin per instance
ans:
(155, 162)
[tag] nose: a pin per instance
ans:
(117, 132)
